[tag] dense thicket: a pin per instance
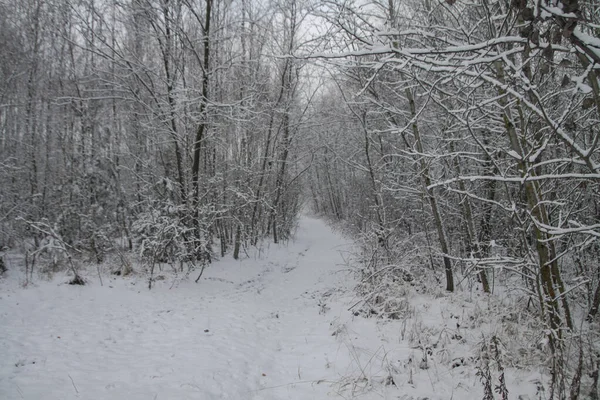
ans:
(475, 130)
(167, 122)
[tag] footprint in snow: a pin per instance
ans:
(286, 268)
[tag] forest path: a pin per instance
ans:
(260, 328)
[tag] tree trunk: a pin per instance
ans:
(473, 243)
(426, 182)
(202, 126)
(548, 264)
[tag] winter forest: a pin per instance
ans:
(424, 173)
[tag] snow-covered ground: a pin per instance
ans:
(273, 326)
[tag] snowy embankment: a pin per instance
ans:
(277, 326)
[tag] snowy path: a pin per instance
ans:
(249, 330)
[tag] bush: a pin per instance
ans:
(167, 234)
